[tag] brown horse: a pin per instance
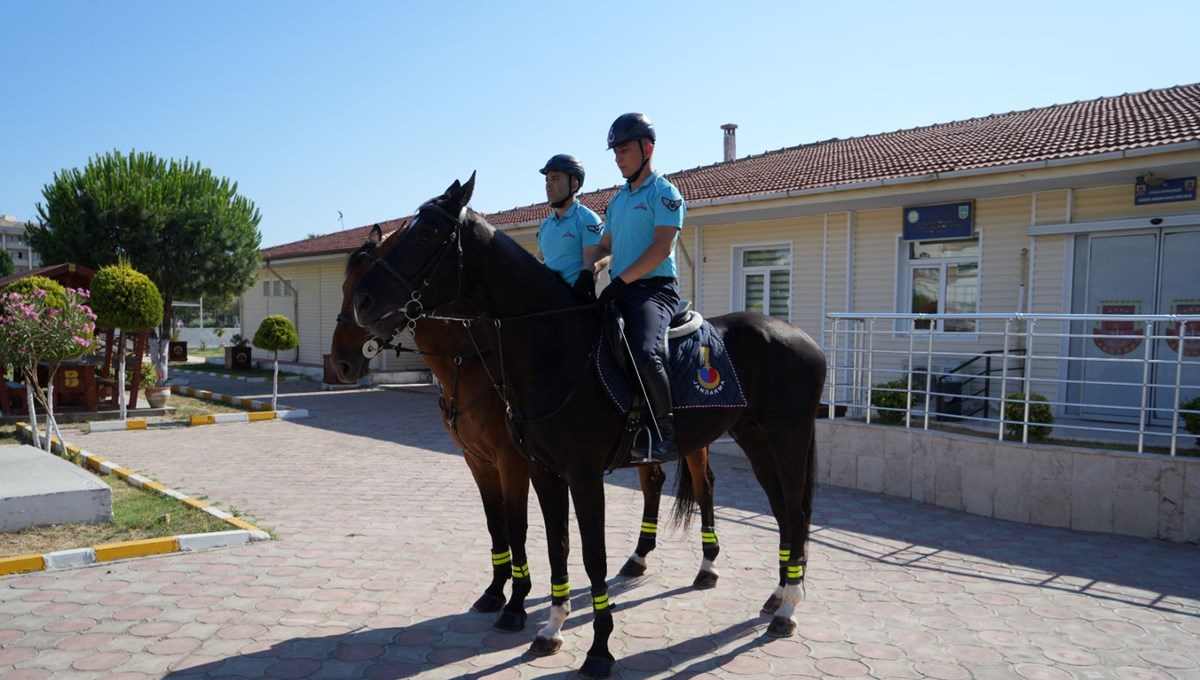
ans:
(473, 413)
(452, 266)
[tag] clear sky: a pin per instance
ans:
(369, 108)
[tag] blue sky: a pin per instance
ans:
(369, 108)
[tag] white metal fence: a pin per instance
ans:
(1126, 378)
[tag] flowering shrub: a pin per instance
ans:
(36, 327)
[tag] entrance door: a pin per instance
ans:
(1148, 272)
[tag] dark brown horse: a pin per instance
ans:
(474, 415)
(451, 265)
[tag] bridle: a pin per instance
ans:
(414, 309)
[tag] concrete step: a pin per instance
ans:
(41, 489)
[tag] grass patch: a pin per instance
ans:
(217, 351)
(137, 514)
(186, 407)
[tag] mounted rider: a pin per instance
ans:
(569, 236)
(641, 224)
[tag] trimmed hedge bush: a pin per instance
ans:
(1041, 416)
(1191, 421)
(56, 295)
(890, 395)
(125, 298)
(276, 333)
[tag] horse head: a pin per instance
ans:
(349, 348)
(416, 269)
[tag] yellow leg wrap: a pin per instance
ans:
(600, 602)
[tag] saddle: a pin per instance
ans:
(701, 373)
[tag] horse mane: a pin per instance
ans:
(509, 245)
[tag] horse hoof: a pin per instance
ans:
(632, 569)
(596, 667)
(705, 580)
(510, 622)
(488, 604)
(772, 604)
(781, 627)
(544, 646)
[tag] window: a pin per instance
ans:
(277, 288)
(943, 278)
(763, 280)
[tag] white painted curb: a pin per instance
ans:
(64, 559)
(219, 539)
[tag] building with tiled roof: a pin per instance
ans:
(1008, 212)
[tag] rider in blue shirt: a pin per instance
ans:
(641, 224)
(570, 235)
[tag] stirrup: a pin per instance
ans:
(639, 456)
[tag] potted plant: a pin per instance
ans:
(237, 355)
(156, 395)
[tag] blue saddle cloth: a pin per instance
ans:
(702, 376)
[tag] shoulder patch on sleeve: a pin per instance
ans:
(672, 205)
(597, 228)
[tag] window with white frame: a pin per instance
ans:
(276, 288)
(763, 280)
(942, 277)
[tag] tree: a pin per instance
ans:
(125, 299)
(6, 264)
(37, 325)
(176, 222)
(276, 333)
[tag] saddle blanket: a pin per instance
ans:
(702, 376)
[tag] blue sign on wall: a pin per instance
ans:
(934, 222)
(1168, 191)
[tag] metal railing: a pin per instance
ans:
(1105, 378)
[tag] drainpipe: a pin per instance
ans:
(295, 303)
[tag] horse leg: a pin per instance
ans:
(783, 460)
(760, 453)
(588, 497)
(553, 499)
(702, 491)
(491, 492)
(514, 481)
(797, 474)
(651, 478)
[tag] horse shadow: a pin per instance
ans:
(876, 527)
(453, 646)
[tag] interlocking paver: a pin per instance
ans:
(381, 548)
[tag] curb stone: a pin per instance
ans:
(79, 557)
(262, 412)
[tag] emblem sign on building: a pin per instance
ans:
(1164, 191)
(939, 222)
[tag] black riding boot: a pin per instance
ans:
(662, 430)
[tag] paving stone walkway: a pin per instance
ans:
(381, 550)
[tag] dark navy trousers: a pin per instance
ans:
(647, 306)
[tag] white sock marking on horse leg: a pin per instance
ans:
(558, 616)
(791, 597)
(640, 560)
(707, 565)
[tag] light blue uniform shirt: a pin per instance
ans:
(632, 216)
(562, 240)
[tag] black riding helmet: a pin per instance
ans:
(566, 164)
(630, 126)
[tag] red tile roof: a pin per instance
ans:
(329, 244)
(1129, 121)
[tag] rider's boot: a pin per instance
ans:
(662, 430)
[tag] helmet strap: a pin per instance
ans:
(638, 173)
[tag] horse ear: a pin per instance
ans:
(461, 193)
(375, 235)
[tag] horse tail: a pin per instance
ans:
(685, 496)
(810, 479)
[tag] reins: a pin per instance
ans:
(414, 310)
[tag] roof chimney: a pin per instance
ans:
(730, 141)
